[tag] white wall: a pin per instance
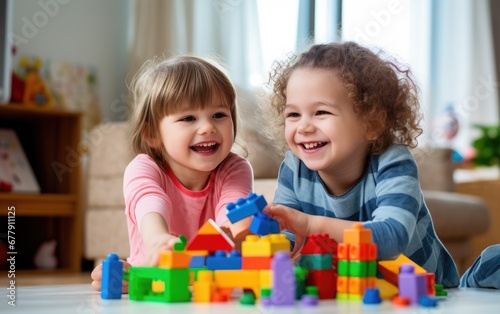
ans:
(87, 32)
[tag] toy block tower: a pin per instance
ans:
(319, 257)
(357, 263)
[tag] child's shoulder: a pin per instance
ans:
(142, 162)
(395, 154)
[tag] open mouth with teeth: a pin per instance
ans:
(205, 147)
(310, 146)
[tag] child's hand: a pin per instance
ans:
(163, 242)
(96, 276)
(293, 220)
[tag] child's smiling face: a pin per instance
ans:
(197, 140)
(321, 127)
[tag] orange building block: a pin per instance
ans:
(358, 234)
(362, 251)
(342, 284)
(174, 259)
(343, 251)
(256, 262)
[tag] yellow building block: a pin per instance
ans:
(357, 234)
(266, 278)
(204, 287)
(249, 279)
(157, 286)
(386, 289)
(390, 269)
(264, 246)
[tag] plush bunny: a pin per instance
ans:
(45, 256)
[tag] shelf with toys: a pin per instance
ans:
(50, 139)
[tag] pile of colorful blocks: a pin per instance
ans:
(207, 268)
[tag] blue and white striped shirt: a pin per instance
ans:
(485, 271)
(388, 198)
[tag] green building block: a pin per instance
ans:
(358, 269)
(316, 261)
(176, 283)
(343, 268)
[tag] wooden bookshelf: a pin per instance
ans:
(51, 140)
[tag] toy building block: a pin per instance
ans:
(174, 259)
(316, 261)
(326, 280)
(265, 279)
(264, 246)
(357, 234)
(263, 225)
(204, 287)
(197, 261)
(386, 289)
(245, 207)
(362, 251)
(216, 240)
(372, 296)
(112, 273)
(248, 279)
(300, 281)
(390, 269)
(410, 284)
(222, 261)
(256, 262)
(176, 284)
(319, 244)
(283, 279)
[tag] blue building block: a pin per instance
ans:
(197, 261)
(372, 296)
(220, 261)
(245, 207)
(263, 225)
(112, 273)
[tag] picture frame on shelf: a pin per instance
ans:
(16, 174)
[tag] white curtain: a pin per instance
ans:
(456, 67)
(223, 29)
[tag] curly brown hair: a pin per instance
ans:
(383, 91)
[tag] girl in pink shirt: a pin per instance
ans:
(183, 129)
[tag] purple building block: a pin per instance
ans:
(283, 291)
(112, 273)
(245, 207)
(411, 285)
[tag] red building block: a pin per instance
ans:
(325, 280)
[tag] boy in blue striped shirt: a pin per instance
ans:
(348, 116)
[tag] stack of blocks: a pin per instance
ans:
(319, 257)
(213, 268)
(357, 263)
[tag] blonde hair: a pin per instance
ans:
(164, 87)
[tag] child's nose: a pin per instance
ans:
(206, 127)
(305, 126)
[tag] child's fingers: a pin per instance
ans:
(299, 244)
(96, 274)
(96, 285)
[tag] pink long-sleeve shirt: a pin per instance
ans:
(147, 188)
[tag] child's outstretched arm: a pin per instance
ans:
(304, 225)
(156, 237)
